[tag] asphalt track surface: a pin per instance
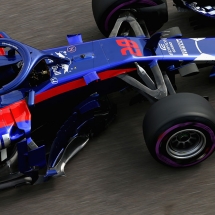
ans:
(114, 173)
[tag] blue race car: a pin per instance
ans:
(203, 7)
(53, 101)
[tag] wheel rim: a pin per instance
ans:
(186, 144)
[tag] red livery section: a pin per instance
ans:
(14, 113)
(2, 52)
(129, 47)
(78, 83)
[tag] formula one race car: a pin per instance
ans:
(53, 101)
(204, 7)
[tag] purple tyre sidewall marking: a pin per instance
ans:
(149, 2)
(171, 162)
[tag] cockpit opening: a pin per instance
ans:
(39, 74)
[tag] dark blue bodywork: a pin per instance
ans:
(77, 76)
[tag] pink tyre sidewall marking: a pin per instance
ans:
(151, 3)
(170, 162)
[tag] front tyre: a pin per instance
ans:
(179, 130)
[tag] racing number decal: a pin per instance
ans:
(129, 47)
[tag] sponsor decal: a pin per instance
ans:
(196, 43)
(182, 47)
(167, 46)
(54, 80)
(61, 54)
(64, 67)
(172, 47)
(71, 49)
(55, 70)
(162, 47)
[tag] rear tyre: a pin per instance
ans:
(106, 12)
(179, 130)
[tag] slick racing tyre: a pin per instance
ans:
(179, 130)
(106, 12)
